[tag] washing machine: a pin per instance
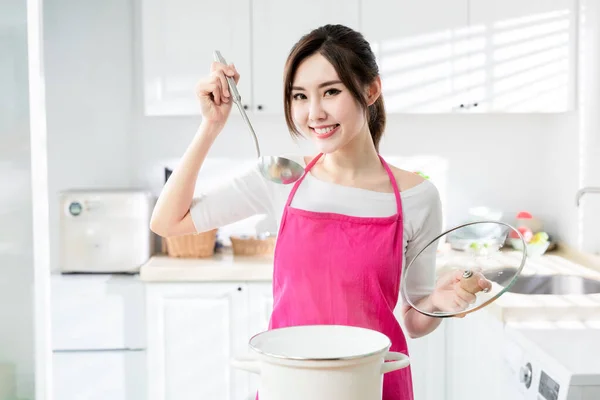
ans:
(550, 362)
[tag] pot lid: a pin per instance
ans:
(320, 342)
(464, 269)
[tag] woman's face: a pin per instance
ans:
(323, 108)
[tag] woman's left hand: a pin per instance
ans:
(450, 296)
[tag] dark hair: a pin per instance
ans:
(354, 61)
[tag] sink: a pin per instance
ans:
(545, 284)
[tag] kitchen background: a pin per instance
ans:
(99, 135)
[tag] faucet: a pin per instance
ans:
(583, 191)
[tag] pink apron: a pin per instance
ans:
(337, 269)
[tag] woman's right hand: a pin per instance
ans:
(213, 93)
(450, 296)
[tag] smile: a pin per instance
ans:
(325, 132)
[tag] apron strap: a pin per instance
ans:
(394, 186)
(297, 184)
(385, 165)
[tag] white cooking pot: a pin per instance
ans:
(321, 362)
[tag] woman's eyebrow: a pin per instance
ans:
(328, 83)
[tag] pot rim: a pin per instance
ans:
(385, 349)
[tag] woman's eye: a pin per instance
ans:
(299, 96)
(332, 92)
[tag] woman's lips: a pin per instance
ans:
(328, 133)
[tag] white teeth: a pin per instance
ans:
(325, 130)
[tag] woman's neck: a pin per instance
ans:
(358, 159)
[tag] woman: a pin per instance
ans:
(348, 225)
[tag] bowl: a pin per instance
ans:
(533, 249)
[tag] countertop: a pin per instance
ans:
(524, 307)
(509, 307)
(218, 268)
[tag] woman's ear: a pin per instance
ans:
(374, 91)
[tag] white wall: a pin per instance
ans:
(16, 251)
(98, 135)
(496, 160)
(88, 63)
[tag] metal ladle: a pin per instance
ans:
(277, 169)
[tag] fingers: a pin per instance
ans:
(223, 86)
(459, 302)
(235, 73)
(223, 71)
(458, 274)
(216, 90)
(485, 285)
(209, 87)
(463, 295)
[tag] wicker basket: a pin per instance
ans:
(253, 246)
(197, 245)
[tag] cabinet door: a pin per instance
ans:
(261, 306)
(194, 330)
(527, 62)
(99, 375)
(97, 312)
(277, 25)
(178, 40)
(427, 362)
(475, 360)
(260, 301)
(419, 52)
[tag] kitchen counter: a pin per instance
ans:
(525, 307)
(509, 307)
(221, 267)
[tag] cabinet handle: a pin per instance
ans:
(239, 288)
(260, 107)
(475, 104)
(245, 106)
(462, 106)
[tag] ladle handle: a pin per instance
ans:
(232, 86)
(237, 99)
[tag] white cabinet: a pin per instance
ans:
(178, 41)
(97, 312)
(98, 337)
(435, 56)
(526, 53)
(427, 362)
(474, 55)
(99, 375)
(194, 331)
(416, 48)
(179, 37)
(475, 358)
(260, 301)
(277, 26)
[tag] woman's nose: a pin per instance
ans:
(316, 111)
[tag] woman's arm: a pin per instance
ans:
(171, 214)
(422, 276)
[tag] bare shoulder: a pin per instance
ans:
(406, 179)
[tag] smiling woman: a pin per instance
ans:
(347, 227)
(341, 78)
